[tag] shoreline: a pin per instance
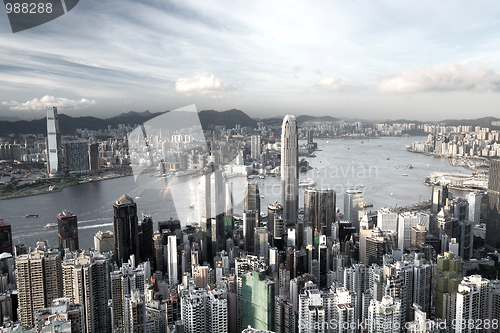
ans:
(59, 189)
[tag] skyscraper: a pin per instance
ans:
(126, 229)
(173, 278)
(319, 210)
(384, 316)
(76, 157)
(255, 147)
(53, 142)
(85, 281)
(38, 280)
(93, 157)
(289, 170)
(258, 300)
(146, 238)
(493, 213)
(353, 204)
(251, 215)
(5, 237)
(67, 226)
(473, 302)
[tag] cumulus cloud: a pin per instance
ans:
(203, 83)
(40, 104)
(446, 77)
(338, 85)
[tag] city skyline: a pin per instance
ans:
(293, 270)
(383, 61)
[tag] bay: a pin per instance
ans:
(375, 166)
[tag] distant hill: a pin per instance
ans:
(208, 119)
(229, 118)
(303, 119)
(68, 124)
(483, 122)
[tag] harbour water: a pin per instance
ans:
(379, 167)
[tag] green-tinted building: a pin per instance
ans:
(258, 300)
(448, 277)
(229, 224)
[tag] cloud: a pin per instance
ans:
(446, 77)
(203, 83)
(333, 84)
(40, 104)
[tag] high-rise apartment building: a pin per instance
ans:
(134, 312)
(289, 170)
(256, 149)
(384, 316)
(126, 229)
(493, 213)
(284, 315)
(38, 280)
(473, 302)
(85, 281)
(67, 226)
(53, 142)
(203, 311)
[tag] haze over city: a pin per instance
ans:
(384, 60)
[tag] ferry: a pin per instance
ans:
(307, 182)
(50, 226)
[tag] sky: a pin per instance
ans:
(422, 60)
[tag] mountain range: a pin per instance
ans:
(208, 119)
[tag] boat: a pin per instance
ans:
(32, 215)
(307, 182)
(137, 197)
(50, 226)
(405, 175)
(361, 186)
(327, 141)
(191, 206)
(410, 166)
(388, 158)
(262, 197)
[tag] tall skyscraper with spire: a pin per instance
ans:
(289, 170)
